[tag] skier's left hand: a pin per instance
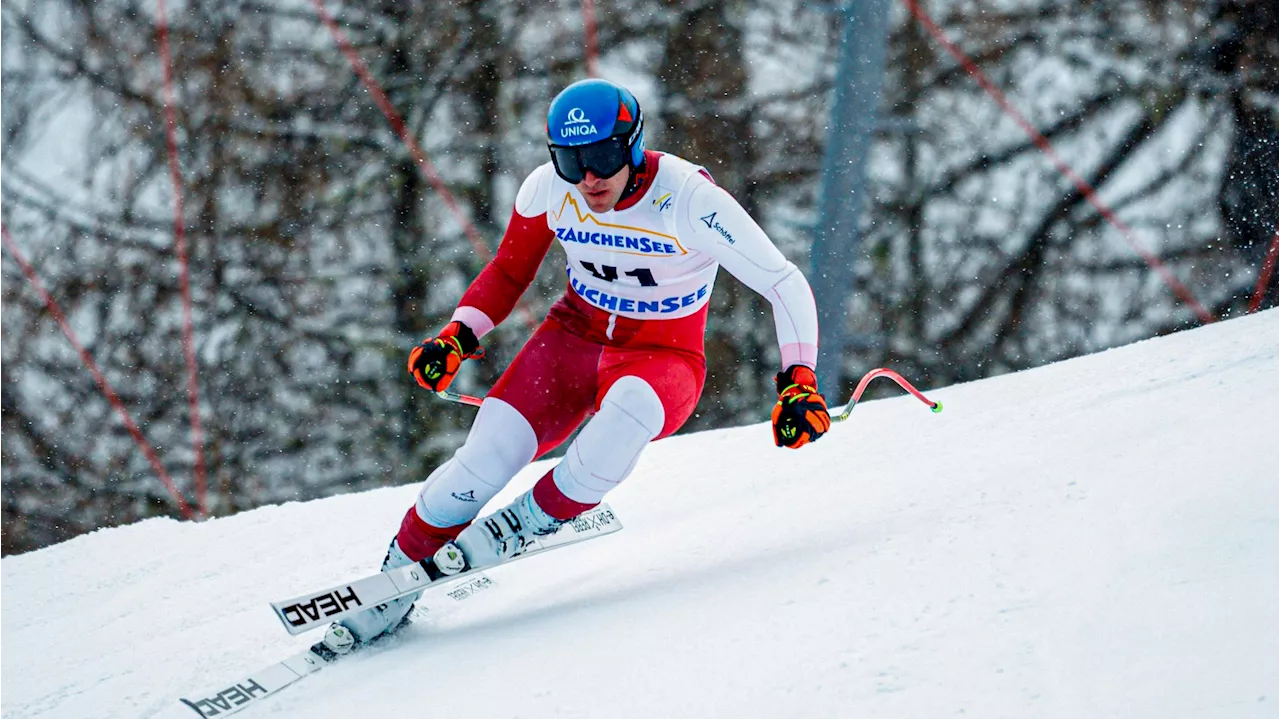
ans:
(800, 416)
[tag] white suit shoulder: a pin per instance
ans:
(532, 199)
(680, 174)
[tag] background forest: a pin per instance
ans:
(319, 250)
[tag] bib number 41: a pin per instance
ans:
(609, 273)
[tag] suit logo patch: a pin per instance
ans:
(710, 221)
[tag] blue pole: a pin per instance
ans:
(854, 118)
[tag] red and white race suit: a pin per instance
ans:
(625, 343)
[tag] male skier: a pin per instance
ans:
(645, 233)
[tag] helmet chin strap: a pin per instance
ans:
(636, 180)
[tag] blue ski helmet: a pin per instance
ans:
(594, 125)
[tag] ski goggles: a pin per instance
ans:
(604, 159)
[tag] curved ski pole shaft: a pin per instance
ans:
(459, 398)
(882, 372)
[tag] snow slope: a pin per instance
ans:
(1095, 538)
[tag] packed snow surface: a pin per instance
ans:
(1094, 538)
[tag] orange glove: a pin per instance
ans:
(435, 362)
(800, 416)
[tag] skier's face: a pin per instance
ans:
(603, 193)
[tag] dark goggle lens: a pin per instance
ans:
(568, 165)
(604, 159)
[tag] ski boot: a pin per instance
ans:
(498, 537)
(363, 627)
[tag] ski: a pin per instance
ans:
(317, 609)
(253, 688)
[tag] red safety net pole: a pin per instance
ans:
(184, 267)
(1180, 290)
(183, 508)
(1264, 275)
(402, 130)
(589, 26)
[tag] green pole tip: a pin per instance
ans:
(937, 407)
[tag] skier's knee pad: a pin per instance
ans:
(606, 450)
(500, 444)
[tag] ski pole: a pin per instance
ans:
(848, 408)
(882, 372)
(459, 398)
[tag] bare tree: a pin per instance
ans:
(320, 251)
(983, 257)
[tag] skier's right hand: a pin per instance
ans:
(435, 362)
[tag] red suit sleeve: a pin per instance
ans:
(494, 293)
